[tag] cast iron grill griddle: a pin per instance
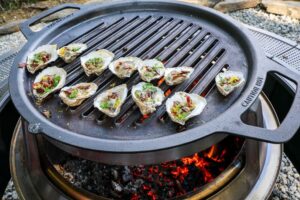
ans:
(176, 33)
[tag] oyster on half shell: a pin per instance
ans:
(110, 101)
(76, 94)
(147, 97)
(125, 66)
(177, 75)
(151, 69)
(40, 57)
(70, 52)
(228, 81)
(48, 81)
(183, 106)
(96, 61)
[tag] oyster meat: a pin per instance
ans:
(151, 69)
(177, 75)
(110, 101)
(48, 81)
(183, 106)
(125, 66)
(147, 97)
(228, 81)
(70, 52)
(76, 94)
(96, 62)
(39, 58)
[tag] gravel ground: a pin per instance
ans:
(11, 41)
(288, 182)
(281, 25)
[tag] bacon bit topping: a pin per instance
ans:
(182, 74)
(189, 101)
(83, 87)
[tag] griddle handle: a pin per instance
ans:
(289, 126)
(25, 26)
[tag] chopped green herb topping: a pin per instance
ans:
(94, 63)
(73, 94)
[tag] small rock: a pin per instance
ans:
(116, 187)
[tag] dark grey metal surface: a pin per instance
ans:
(281, 50)
(231, 45)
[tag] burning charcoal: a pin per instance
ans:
(165, 181)
(130, 188)
(115, 174)
(116, 186)
(126, 177)
(179, 186)
(171, 193)
(138, 183)
(127, 170)
(115, 195)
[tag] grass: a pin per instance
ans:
(14, 4)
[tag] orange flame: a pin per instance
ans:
(160, 81)
(168, 92)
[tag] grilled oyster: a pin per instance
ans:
(70, 52)
(96, 62)
(48, 81)
(39, 58)
(183, 106)
(110, 101)
(76, 94)
(151, 69)
(147, 97)
(177, 75)
(228, 81)
(125, 66)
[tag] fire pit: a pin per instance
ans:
(149, 157)
(40, 169)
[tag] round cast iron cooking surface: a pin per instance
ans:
(197, 37)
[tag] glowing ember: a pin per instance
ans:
(168, 92)
(160, 81)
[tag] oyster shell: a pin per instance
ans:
(125, 66)
(151, 69)
(177, 75)
(96, 61)
(110, 101)
(228, 81)
(183, 106)
(76, 94)
(48, 81)
(39, 58)
(70, 52)
(147, 97)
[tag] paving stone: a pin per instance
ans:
(233, 5)
(10, 27)
(287, 8)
